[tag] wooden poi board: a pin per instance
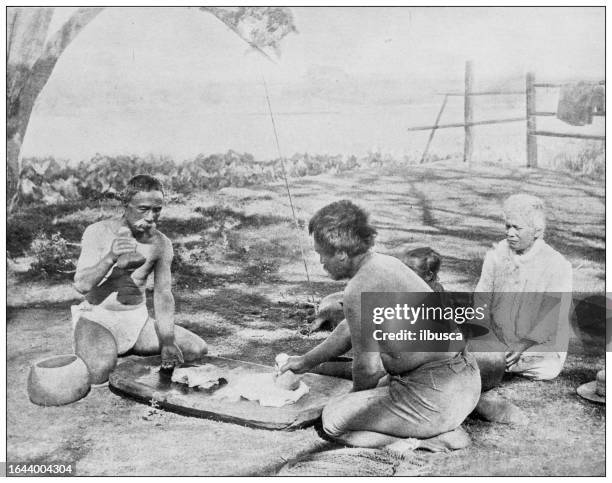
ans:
(141, 379)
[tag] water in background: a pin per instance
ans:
(305, 124)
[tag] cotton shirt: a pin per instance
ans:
(527, 296)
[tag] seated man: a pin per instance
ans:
(527, 287)
(424, 261)
(428, 393)
(117, 255)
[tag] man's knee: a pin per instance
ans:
(192, 345)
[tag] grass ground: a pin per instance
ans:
(240, 284)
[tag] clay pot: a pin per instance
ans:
(58, 380)
(96, 346)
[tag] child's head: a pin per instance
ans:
(425, 262)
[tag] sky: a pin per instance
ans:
(177, 81)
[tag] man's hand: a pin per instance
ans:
(171, 356)
(513, 356)
(122, 245)
(296, 364)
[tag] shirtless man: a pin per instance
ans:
(428, 395)
(115, 286)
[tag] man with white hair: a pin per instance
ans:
(526, 286)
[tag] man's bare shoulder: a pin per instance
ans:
(103, 228)
(383, 273)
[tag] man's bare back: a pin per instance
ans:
(382, 273)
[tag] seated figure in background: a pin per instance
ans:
(526, 286)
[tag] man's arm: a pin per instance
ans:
(94, 262)
(163, 302)
(367, 366)
(338, 343)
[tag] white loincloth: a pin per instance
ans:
(125, 325)
(260, 387)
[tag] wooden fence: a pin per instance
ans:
(530, 117)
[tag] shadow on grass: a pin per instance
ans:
(216, 217)
(22, 226)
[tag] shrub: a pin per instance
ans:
(589, 161)
(52, 256)
(49, 181)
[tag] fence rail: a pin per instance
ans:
(531, 113)
(463, 124)
(569, 135)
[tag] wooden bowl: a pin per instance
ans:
(58, 380)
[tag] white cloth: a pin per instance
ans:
(260, 387)
(125, 325)
(539, 366)
(205, 376)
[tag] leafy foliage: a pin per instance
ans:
(262, 27)
(589, 161)
(54, 181)
(52, 256)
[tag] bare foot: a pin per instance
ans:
(404, 447)
(494, 408)
(453, 440)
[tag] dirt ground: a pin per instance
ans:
(240, 284)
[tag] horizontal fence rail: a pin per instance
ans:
(547, 84)
(547, 113)
(464, 124)
(568, 135)
(484, 93)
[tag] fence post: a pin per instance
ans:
(468, 113)
(530, 103)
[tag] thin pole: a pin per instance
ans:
(468, 114)
(284, 171)
(433, 129)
